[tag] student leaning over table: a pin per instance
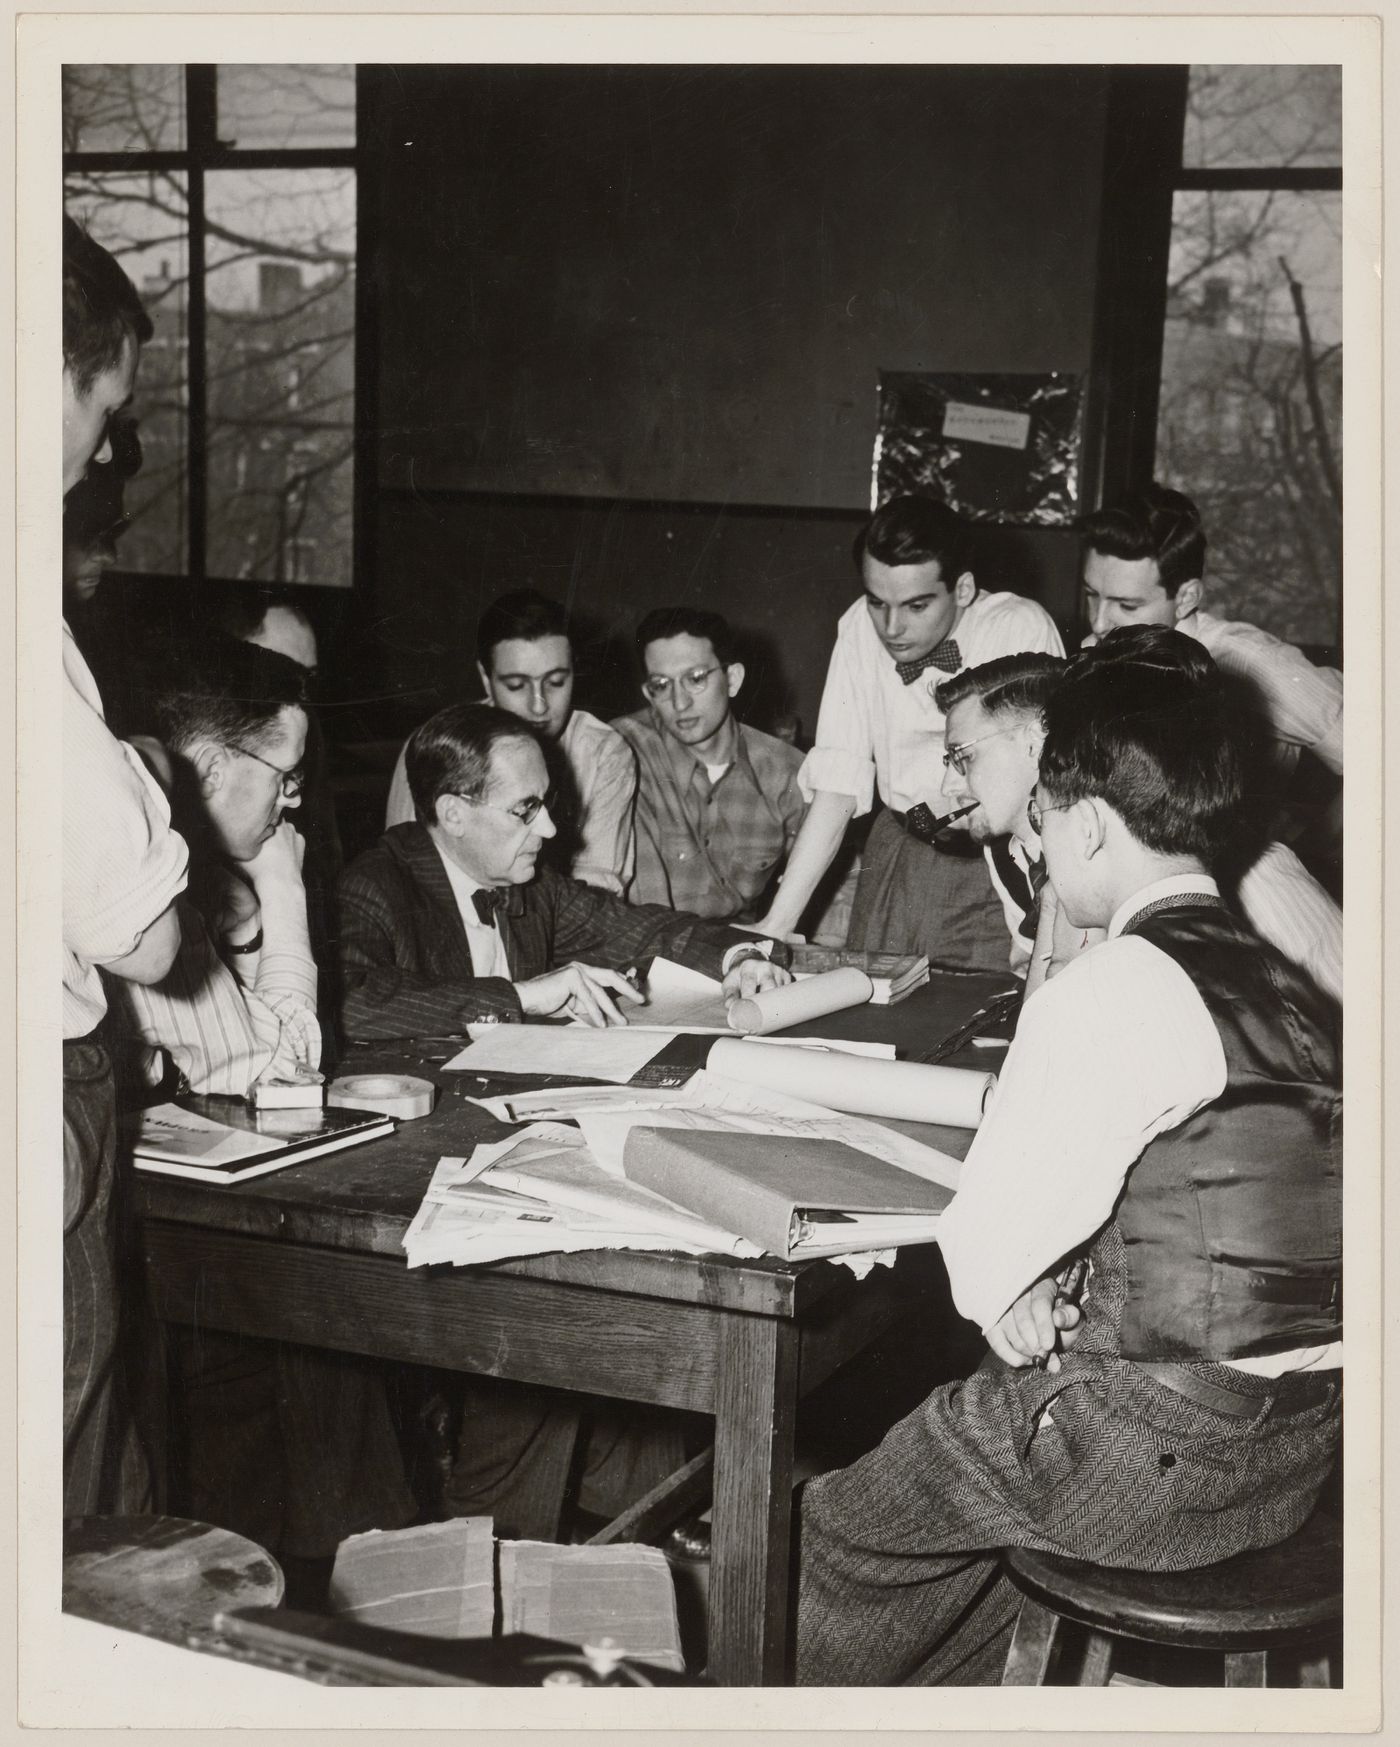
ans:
(447, 921)
(291, 1446)
(996, 725)
(1169, 1109)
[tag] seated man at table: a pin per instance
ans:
(718, 804)
(449, 921)
(293, 1447)
(1169, 1111)
(996, 724)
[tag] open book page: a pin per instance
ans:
(437, 1580)
(583, 1595)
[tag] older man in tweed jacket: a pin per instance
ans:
(445, 922)
(448, 921)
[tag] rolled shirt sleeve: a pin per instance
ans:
(122, 864)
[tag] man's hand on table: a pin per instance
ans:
(751, 976)
(578, 991)
(1034, 1327)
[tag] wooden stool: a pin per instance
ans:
(162, 1576)
(1285, 1597)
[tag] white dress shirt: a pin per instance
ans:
(1118, 1049)
(605, 772)
(872, 728)
(488, 947)
(1286, 906)
(1303, 703)
(122, 863)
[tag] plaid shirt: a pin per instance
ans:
(714, 849)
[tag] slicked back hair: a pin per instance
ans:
(916, 530)
(687, 622)
(222, 690)
(1011, 685)
(1143, 726)
(451, 754)
(525, 614)
(102, 312)
(1155, 523)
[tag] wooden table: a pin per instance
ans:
(313, 1254)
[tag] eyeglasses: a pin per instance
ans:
(293, 778)
(1036, 813)
(526, 811)
(692, 683)
(957, 755)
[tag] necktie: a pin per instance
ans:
(487, 904)
(947, 656)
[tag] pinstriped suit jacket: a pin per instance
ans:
(406, 968)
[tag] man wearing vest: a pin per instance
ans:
(1170, 1113)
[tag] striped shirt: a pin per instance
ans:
(598, 820)
(122, 864)
(226, 1024)
(711, 844)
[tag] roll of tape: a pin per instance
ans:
(398, 1095)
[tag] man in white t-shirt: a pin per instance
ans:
(880, 729)
(525, 661)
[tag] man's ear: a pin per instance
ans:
(1188, 597)
(734, 677)
(1092, 821)
(210, 764)
(447, 814)
(964, 589)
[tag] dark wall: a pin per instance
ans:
(632, 321)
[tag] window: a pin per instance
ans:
(229, 194)
(1249, 414)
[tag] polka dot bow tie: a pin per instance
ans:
(947, 656)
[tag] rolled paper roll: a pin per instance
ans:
(863, 1085)
(398, 1095)
(807, 998)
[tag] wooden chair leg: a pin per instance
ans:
(1246, 1668)
(1098, 1660)
(1032, 1645)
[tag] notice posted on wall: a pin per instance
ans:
(997, 448)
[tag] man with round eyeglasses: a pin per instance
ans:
(239, 1004)
(452, 919)
(995, 730)
(718, 802)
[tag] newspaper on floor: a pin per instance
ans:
(439, 1581)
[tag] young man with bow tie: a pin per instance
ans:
(922, 618)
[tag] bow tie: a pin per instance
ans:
(947, 656)
(491, 901)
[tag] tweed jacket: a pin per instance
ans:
(406, 968)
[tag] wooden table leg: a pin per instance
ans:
(751, 1533)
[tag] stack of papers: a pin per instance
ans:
(562, 1184)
